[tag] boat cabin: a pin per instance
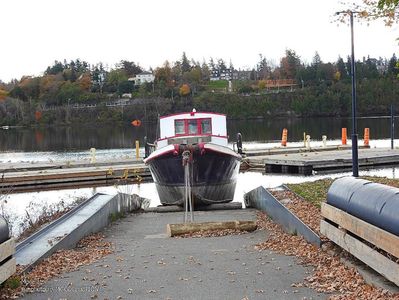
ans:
(192, 128)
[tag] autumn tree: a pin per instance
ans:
(370, 10)
(84, 81)
(3, 94)
(184, 90)
(289, 65)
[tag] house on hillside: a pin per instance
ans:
(225, 74)
(142, 78)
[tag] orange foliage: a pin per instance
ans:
(3, 94)
(38, 115)
(184, 90)
(38, 137)
(85, 81)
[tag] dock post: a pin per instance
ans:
(93, 155)
(137, 149)
(284, 137)
(308, 141)
(366, 138)
(343, 136)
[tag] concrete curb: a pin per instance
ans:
(64, 233)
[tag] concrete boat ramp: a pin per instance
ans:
(147, 264)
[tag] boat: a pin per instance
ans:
(192, 159)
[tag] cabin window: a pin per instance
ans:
(179, 127)
(206, 126)
(192, 126)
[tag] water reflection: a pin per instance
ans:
(109, 136)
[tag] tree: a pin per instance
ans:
(164, 73)
(341, 68)
(56, 68)
(114, 78)
(221, 65)
(184, 90)
(369, 10)
(263, 68)
(185, 64)
(289, 64)
(3, 94)
(130, 68)
(392, 70)
(85, 81)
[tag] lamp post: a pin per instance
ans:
(355, 157)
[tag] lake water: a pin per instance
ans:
(71, 144)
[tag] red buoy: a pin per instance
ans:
(136, 123)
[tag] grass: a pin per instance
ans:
(13, 283)
(218, 84)
(316, 191)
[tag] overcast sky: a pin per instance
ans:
(36, 33)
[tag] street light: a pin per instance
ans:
(355, 159)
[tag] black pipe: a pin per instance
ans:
(392, 126)
(355, 161)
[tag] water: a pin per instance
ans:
(72, 144)
(109, 136)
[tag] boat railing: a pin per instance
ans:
(148, 148)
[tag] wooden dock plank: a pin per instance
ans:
(7, 269)
(377, 236)
(7, 249)
(360, 250)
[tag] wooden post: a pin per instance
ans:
(343, 138)
(8, 267)
(284, 137)
(137, 149)
(366, 136)
(179, 229)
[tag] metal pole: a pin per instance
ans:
(355, 161)
(392, 126)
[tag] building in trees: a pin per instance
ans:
(142, 78)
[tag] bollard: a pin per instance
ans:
(304, 139)
(308, 141)
(366, 136)
(93, 155)
(324, 139)
(343, 136)
(284, 138)
(137, 149)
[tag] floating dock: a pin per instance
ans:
(23, 177)
(307, 161)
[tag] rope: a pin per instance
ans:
(187, 162)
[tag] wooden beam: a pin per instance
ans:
(7, 269)
(377, 236)
(7, 249)
(366, 254)
(184, 228)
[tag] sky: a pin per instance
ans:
(36, 33)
